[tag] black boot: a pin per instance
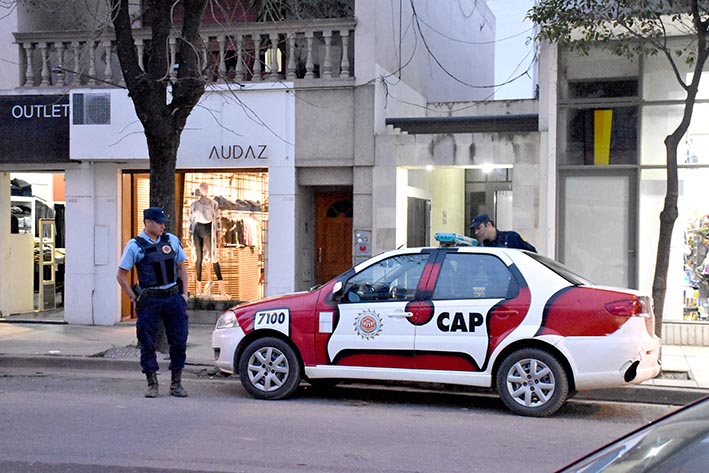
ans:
(152, 391)
(176, 388)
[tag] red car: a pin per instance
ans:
(487, 317)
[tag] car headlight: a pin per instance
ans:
(227, 320)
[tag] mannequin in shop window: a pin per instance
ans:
(204, 221)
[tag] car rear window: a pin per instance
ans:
(563, 271)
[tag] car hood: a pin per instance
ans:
(272, 301)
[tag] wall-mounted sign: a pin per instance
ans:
(249, 127)
(34, 129)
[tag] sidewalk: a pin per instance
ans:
(92, 341)
(685, 368)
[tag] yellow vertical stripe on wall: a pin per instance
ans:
(602, 123)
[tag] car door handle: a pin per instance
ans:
(503, 314)
(400, 314)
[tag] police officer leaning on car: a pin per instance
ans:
(160, 262)
(485, 231)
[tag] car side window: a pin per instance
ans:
(474, 276)
(392, 279)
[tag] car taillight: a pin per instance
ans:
(628, 307)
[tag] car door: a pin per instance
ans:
(469, 293)
(372, 327)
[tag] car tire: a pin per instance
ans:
(532, 382)
(270, 369)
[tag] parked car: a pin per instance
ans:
(496, 318)
(677, 442)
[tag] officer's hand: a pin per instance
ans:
(184, 296)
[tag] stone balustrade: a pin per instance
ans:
(317, 50)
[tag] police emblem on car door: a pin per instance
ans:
(373, 329)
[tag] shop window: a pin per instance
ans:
(224, 233)
(601, 136)
(696, 269)
(603, 89)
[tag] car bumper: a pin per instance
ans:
(224, 343)
(617, 361)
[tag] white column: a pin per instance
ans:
(93, 246)
(79, 273)
(16, 259)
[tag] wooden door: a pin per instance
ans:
(333, 234)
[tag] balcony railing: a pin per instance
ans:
(317, 50)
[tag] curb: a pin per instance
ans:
(651, 394)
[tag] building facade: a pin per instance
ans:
(291, 140)
(608, 117)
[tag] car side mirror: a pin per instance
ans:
(337, 288)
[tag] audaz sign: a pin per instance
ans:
(249, 127)
(34, 129)
(237, 152)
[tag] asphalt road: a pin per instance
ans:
(98, 421)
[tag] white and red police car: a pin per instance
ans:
(485, 317)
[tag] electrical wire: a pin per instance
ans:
(443, 68)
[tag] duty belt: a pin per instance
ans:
(153, 292)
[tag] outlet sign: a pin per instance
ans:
(34, 129)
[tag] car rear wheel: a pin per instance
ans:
(532, 382)
(269, 369)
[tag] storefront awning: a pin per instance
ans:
(467, 124)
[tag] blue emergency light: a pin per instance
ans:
(455, 239)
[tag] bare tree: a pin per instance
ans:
(632, 28)
(161, 104)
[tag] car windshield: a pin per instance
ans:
(676, 443)
(561, 270)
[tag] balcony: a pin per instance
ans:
(308, 53)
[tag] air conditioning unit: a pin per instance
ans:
(91, 109)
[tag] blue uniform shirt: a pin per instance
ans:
(133, 253)
(510, 239)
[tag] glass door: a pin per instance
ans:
(598, 229)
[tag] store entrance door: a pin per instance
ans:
(333, 234)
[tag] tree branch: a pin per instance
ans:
(125, 44)
(190, 84)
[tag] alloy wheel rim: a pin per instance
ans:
(531, 383)
(268, 369)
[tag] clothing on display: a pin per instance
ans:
(204, 226)
(225, 222)
(242, 232)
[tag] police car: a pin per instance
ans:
(499, 318)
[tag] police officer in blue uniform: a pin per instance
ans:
(486, 233)
(162, 294)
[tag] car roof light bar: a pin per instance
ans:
(455, 239)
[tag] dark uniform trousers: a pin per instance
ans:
(172, 310)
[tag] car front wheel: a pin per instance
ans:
(269, 369)
(532, 382)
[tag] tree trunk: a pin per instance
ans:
(162, 121)
(668, 216)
